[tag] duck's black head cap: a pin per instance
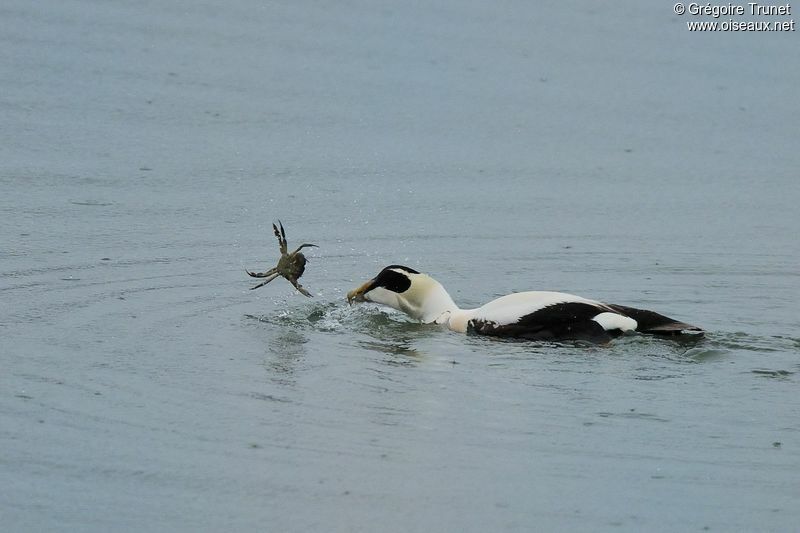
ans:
(390, 279)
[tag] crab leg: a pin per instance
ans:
(265, 281)
(266, 274)
(303, 246)
(281, 235)
(299, 287)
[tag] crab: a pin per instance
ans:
(291, 265)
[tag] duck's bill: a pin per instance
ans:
(359, 294)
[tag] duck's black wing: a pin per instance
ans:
(655, 323)
(559, 321)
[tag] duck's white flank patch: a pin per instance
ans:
(611, 321)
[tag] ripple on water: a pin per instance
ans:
(333, 317)
(404, 342)
(775, 374)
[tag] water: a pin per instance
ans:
(146, 150)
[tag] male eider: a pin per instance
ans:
(534, 315)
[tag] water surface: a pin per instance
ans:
(146, 149)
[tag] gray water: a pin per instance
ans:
(147, 147)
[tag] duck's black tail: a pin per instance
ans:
(656, 324)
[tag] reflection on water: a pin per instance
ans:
(403, 353)
(286, 350)
(394, 335)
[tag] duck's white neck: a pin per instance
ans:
(424, 300)
(427, 301)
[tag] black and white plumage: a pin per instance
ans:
(534, 315)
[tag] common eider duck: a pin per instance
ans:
(533, 315)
